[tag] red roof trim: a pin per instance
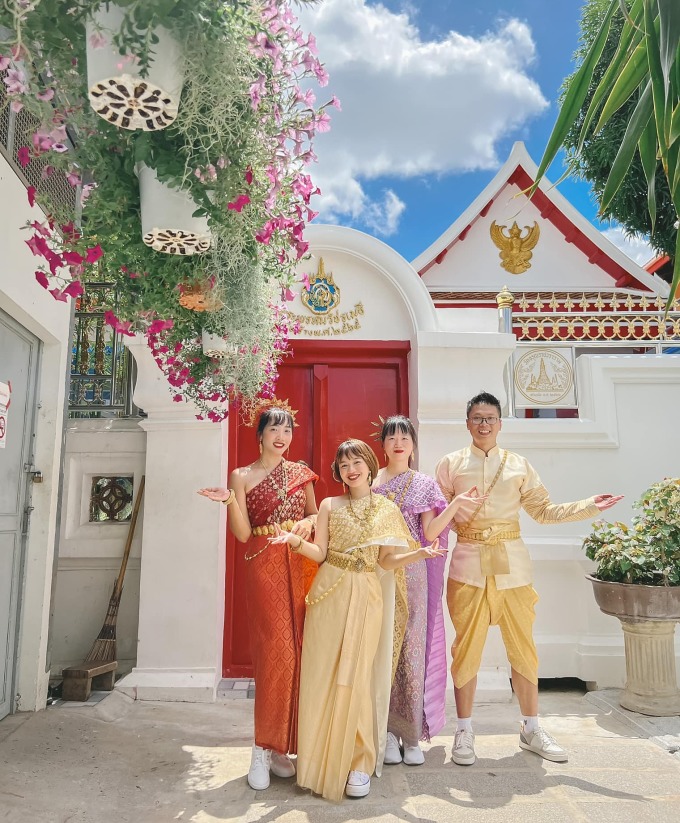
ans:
(571, 232)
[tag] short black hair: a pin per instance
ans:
(398, 423)
(274, 417)
(483, 397)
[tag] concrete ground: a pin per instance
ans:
(117, 761)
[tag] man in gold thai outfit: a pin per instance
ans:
(490, 576)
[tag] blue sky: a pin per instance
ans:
(434, 94)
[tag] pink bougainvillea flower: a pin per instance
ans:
(70, 232)
(335, 102)
(287, 294)
(41, 228)
(38, 246)
(42, 141)
(16, 106)
(160, 325)
(74, 289)
(73, 258)
(24, 156)
(73, 178)
(305, 282)
(85, 193)
(94, 254)
(30, 193)
(45, 95)
(322, 122)
(4, 63)
(58, 294)
(41, 277)
(238, 204)
(98, 40)
(15, 80)
(177, 398)
(54, 261)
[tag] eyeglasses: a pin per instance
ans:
(476, 421)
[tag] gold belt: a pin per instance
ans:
(270, 528)
(348, 562)
(492, 552)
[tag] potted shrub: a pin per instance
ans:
(638, 580)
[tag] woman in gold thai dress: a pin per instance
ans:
(352, 639)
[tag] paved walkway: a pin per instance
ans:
(122, 762)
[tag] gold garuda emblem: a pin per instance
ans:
(515, 249)
(321, 294)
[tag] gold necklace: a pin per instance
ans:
(366, 521)
(405, 486)
(281, 490)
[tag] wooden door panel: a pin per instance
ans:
(338, 390)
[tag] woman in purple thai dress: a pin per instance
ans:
(419, 688)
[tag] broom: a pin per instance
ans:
(104, 647)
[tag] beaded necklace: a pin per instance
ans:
(281, 490)
(405, 486)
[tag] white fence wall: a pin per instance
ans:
(625, 439)
(90, 553)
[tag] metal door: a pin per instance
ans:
(19, 351)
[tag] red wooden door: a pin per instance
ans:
(338, 389)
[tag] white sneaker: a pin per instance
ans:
(463, 753)
(282, 765)
(543, 744)
(358, 784)
(392, 750)
(413, 756)
(258, 774)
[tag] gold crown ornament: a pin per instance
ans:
(265, 403)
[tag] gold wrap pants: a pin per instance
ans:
(474, 609)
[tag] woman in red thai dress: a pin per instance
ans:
(273, 490)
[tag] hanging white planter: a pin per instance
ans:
(214, 345)
(167, 222)
(116, 92)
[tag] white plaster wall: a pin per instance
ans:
(556, 265)
(90, 553)
(31, 306)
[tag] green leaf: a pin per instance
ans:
(657, 79)
(634, 131)
(675, 125)
(576, 95)
(631, 77)
(627, 45)
(669, 36)
(648, 157)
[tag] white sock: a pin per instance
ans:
(530, 724)
(464, 724)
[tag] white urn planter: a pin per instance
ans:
(168, 224)
(214, 345)
(116, 91)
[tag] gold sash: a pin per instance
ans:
(492, 551)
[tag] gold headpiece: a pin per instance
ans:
(377, 432)
(265, 403)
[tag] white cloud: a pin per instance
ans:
(412, 106)
(636, 247)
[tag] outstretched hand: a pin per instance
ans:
(282, 536)
(429, 552)
(216, 494)
(606, 501)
